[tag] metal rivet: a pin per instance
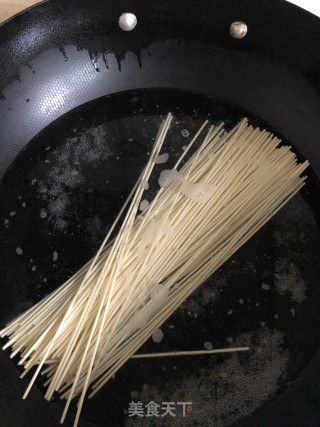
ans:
(127, 21)
(238, 29)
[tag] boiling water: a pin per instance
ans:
(59, 198)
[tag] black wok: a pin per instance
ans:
(80, 101)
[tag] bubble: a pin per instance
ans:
(138, 320)
(144, 205)
(157, 335)
(145, 184)
(162, 158)
(19, 251)
(208, 345)
(167, 176)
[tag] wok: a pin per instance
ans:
(80, 101)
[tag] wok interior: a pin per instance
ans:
(62, 193)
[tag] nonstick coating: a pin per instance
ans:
(60, 55)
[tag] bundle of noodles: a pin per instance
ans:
(83, 332)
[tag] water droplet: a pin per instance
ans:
(64, 53)
(94, 61)
(104, 58)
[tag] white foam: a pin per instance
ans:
(138, 320)
(145, 184)
(157, 335)
(144, 205)
(199, 193)
(257, 371)
(162, 158)
(167, 176)
(288, 280)
(55, 256)
(159, 294)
